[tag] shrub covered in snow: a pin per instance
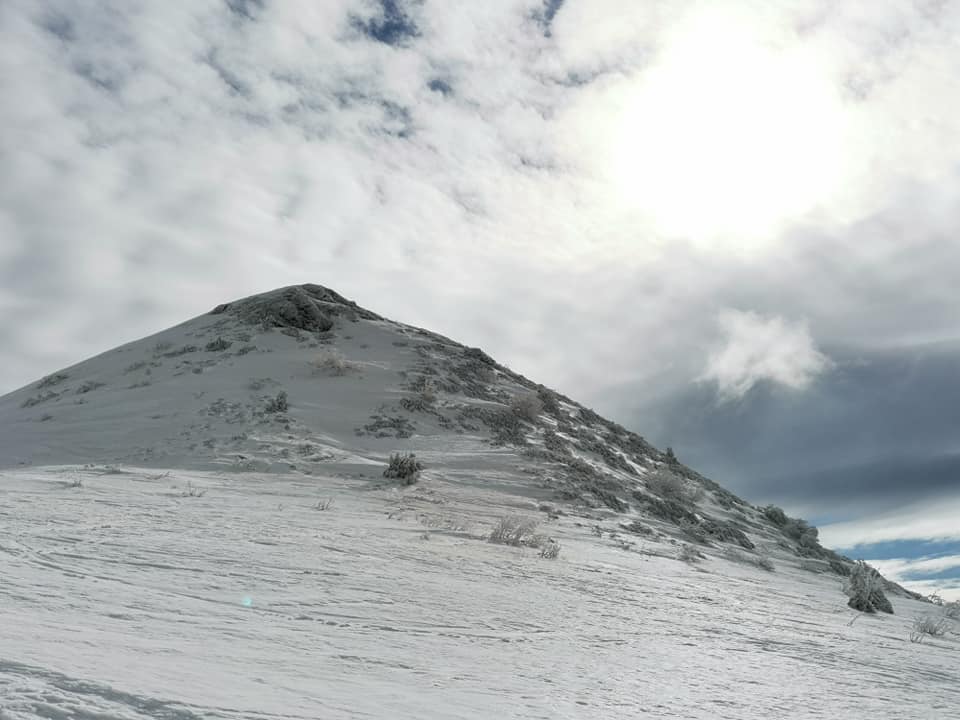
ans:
(764, 563)
(526, 407)
(278, 404)
(928, 625)
(775, 515)
(865, 590)
(405, 468)
(550, 550)
(218, 345)
(513, 530)
(670, 486)
(333, 363)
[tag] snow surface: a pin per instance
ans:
(124, 598)
(162, 555)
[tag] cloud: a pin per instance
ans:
(160, 158)
(757, 348)
(930, 520)
(911, 567)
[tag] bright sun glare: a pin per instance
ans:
(727, 137)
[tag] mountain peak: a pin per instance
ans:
(306, 307)
(300, 380)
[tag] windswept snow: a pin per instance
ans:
(126, 598)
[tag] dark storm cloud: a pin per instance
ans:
(877, 430)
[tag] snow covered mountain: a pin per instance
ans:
(184, 473)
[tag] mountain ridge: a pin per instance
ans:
(302, 380)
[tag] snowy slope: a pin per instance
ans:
(162, 553)
(125, 599)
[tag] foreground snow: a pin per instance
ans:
(127, 598)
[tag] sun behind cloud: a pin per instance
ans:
(730, 134)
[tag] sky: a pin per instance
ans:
(730, 226)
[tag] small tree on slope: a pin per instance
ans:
(865, 590)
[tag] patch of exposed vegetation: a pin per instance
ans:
(725, 531)
(38, 399)
(581, 481)
(424, 396)
(507, 428)
(605, 452)
(555, 444)
(52, 380)
(389, 426)
(549, 402)
(669, 509)
(308, 307)
(89, 386)
(278, 403)
(472, 377)
(181, 351)
(218, 345)
(638, 528)
(290, 307)
(234, 412)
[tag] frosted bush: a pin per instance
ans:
(333, 363)
(527, 407)
(928, 625)
(278, 404)
(513, 530)
(865, 590)
(550, 550)
(670, 486)
(405, 468)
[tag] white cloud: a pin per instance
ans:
(160, 158)
(906, 567)
(756, 348)
(930, 519)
